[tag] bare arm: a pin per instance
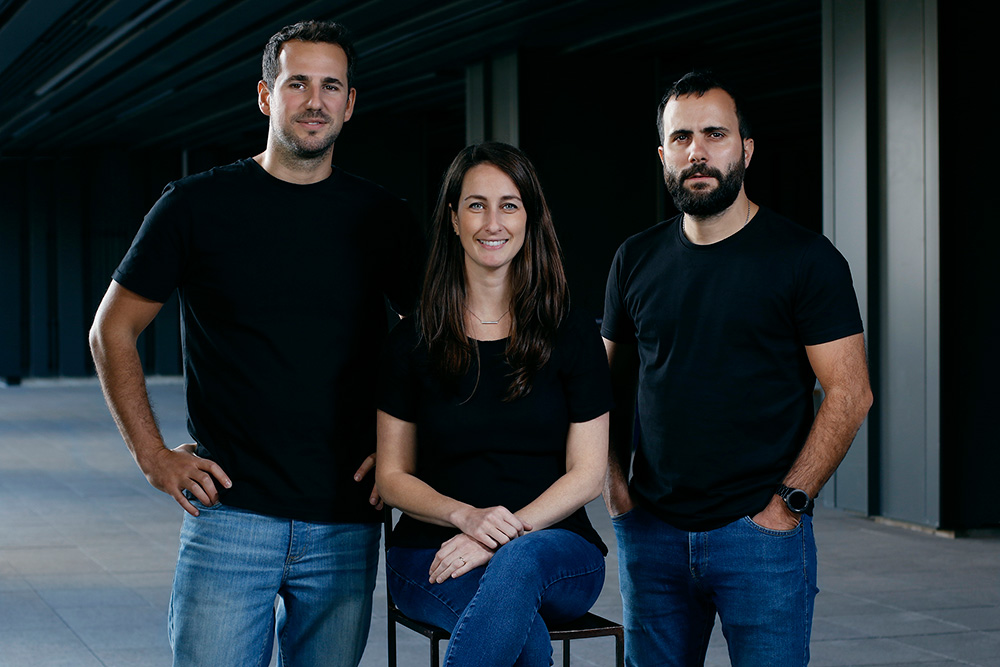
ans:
(586, 461)
(842, 370)
(401, 488)
(121, 317)
(624, 362)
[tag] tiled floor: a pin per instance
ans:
(87, 552)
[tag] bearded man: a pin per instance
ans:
(282, 263)
(717, 325)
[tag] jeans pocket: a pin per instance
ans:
(770, 531)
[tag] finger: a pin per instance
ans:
(203, 493)
(365, 468)
(217, 472)
(375, 499)
(187, 506)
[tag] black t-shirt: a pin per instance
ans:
(474, 447)
(725, 387)
(282, 314)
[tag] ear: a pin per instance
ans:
(454, 219)
(659, 151)
(747, 152)
(350, 105)
(263, 98)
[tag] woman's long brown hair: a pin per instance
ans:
(539, 293)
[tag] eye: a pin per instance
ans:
(510, 207)
(680, 138)
(476, 206)
(332, 87)
(717, 135)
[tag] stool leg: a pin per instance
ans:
(391, 641)
(565, 653)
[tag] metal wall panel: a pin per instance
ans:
(910, 475)
(845, 196)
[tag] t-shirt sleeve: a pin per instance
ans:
(586, 378)
(617, 325)
(402, 271)
(154, 265)
(826, 306)
(396, 394)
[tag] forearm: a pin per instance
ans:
(566, 495)
(619, 455)
(123, 383)
(418, 499)
(837, 422)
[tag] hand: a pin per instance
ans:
(367, 466)
(457, 556)
(776, 516)
(174, 471)
(492, 527)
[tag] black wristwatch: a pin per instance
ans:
(797, 500)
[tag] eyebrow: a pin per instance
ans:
(704, 130)
(303, 77)
(503, 198)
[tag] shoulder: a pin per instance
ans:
(784, 233)
(362, 188)
(217, 179)
(578, 323)
(652, 239)
(578, 336)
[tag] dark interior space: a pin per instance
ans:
(126, 96)
(970, 325)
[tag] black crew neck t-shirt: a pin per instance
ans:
(282, 293)
(474, 447)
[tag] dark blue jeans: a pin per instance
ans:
(761, 582)
(497, 613)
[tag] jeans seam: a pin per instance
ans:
(415, 584)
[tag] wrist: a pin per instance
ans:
(796, 501)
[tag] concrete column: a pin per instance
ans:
(845, 197)
(909, 263)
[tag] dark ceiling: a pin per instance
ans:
(182, 73)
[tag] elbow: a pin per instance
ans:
(96, 339)
(386, 489)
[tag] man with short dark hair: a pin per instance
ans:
(282, 264)
(717, 325)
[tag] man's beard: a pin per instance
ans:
(318, 146)
(705, 202)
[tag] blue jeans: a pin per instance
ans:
(232, 566)
(761, 582)
(497, 613)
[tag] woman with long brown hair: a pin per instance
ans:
(493, 425)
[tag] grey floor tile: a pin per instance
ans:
(843, 652)
(896, 624)
(976, 648)
(49, 647)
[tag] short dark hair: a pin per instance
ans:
(328, 32)
(699, 83)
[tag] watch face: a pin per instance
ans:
(797, 500)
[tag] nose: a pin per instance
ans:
(696, 151)
(492, 221)
(314, 101)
